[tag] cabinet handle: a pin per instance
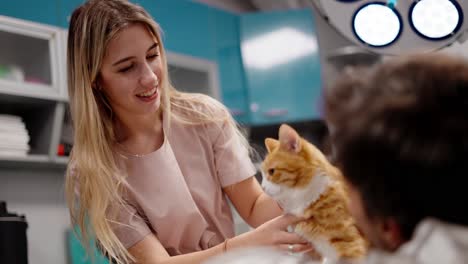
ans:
(236, 112)
(275, 112)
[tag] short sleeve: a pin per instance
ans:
(130, 226)
(232, 159)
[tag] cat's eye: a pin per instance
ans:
(271, 171)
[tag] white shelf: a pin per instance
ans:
(33, 87)
(28, 158)
(61, 160)
(33, 90)
(33, 161)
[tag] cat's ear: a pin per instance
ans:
(271, 144)
(289, 139)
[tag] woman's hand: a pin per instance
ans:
(273, 233)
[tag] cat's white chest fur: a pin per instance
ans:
(296, 200)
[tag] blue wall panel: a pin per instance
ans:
(187, 27)
(66, 8)
(231, 72)
(46, 12)
(288, 91)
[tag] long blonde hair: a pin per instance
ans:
(94, 181)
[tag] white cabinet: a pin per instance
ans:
(29, 58)
(32, 87)
(193, 75)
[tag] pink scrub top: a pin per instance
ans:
(176, 191)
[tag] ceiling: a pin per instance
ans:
(241, 6)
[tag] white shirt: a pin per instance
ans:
(434, 242)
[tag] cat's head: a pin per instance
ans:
(291, 161)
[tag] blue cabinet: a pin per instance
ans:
(282, 66)
(66, 8)
(187, 26)
(32, 10)
(231, 72)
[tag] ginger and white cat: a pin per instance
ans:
(300, 178)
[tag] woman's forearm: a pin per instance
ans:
(264, 209)
(204, 255)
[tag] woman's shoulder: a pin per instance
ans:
(199, 107)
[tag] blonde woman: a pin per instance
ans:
(151, 167)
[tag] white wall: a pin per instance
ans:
(39, 195)
(329, 41)
(458, 50)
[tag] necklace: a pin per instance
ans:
(128, 153)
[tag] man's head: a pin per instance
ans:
(400, 135)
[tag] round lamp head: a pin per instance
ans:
(377, 25)
(436, 19)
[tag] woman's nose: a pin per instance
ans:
(148, 78)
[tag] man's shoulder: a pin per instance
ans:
(381, 257)
(434, 241)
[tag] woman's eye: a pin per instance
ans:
(152, 56)
(271, 171)
(126, 69)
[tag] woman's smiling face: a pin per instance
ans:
(131, 72)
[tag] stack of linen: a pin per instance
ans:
(14, 138)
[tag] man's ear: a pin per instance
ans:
(390, 233)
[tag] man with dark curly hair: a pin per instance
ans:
(400, 135)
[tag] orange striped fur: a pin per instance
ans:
(304, 183)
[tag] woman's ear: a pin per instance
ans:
(96, 84)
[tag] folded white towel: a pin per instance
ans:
(12, 127)
(10, 117)
(14, 146)
(11, 138)
(11, 153)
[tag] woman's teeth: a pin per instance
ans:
(147, 93)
